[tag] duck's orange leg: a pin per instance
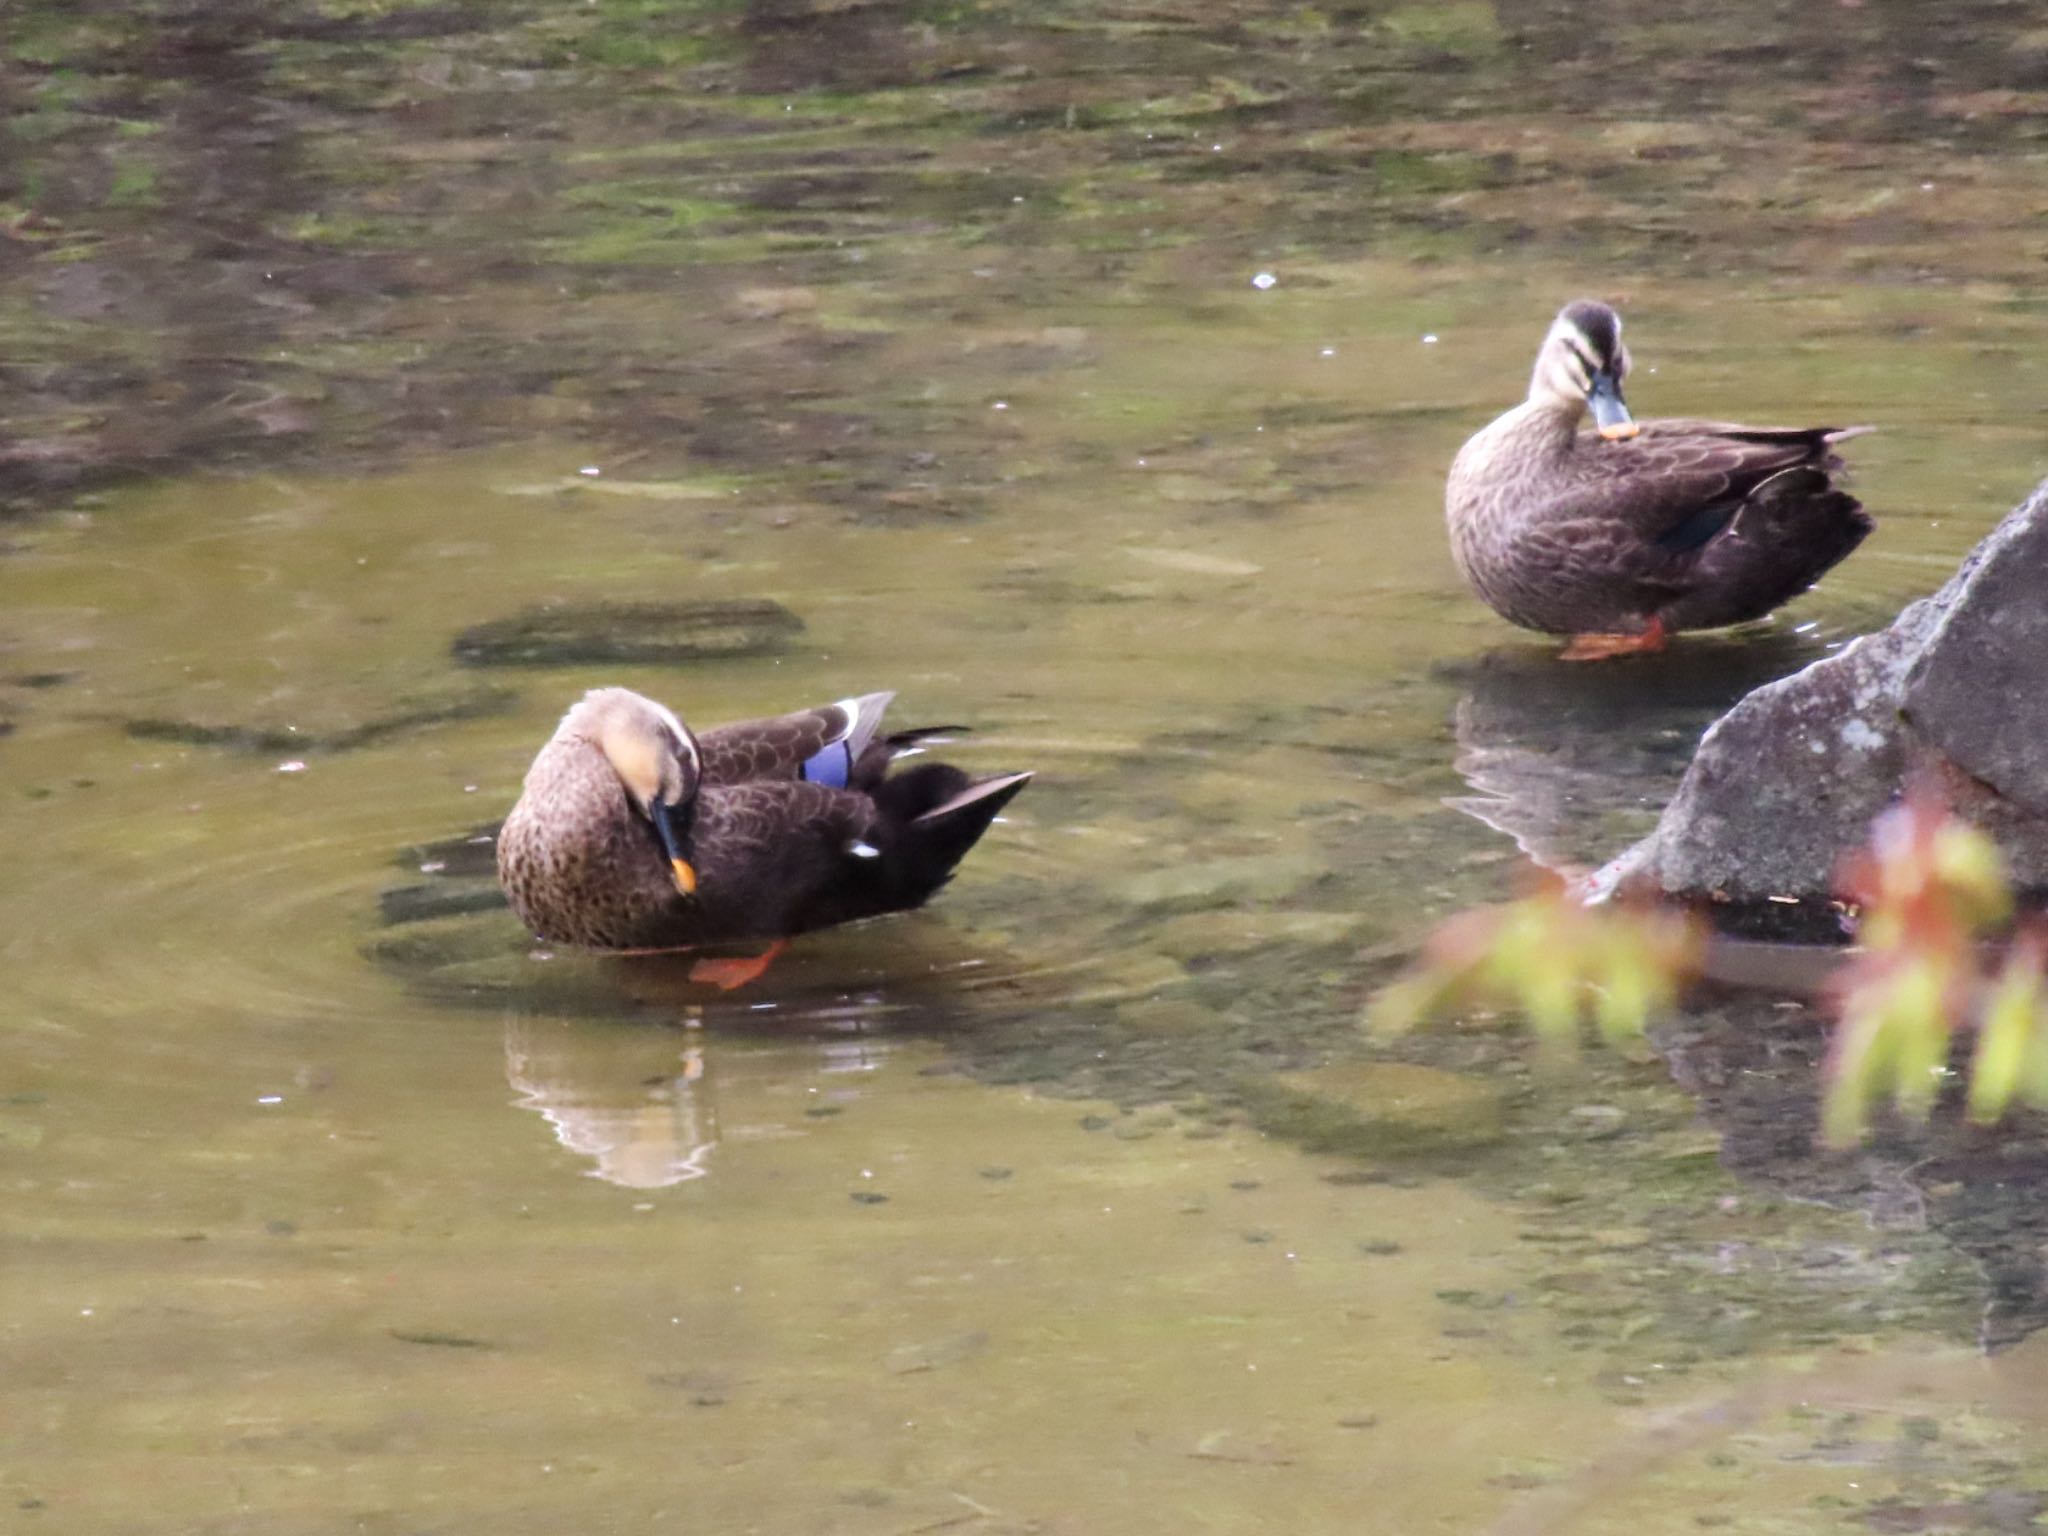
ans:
(738, 971)
(1599, 647)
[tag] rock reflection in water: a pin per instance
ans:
(1752, 1063)
(1573, 761)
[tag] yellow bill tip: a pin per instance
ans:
(1620, 431)
(686, 877)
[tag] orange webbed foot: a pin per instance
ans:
(1598, 647)
(726, 974)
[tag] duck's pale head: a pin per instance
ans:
(656, 759)
(1581, 365)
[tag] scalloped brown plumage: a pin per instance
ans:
(773, 851)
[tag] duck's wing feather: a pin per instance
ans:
(1646, 507)
(819, 745)
(755, 823)
(1814, 438)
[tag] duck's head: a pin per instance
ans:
(657, 761)
(1581, 365)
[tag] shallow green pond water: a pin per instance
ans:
(1078, 1201)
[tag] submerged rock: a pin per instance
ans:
(651, 633)
(425, 902)
(1215, 883)
(318, 729)
(1789, 780)
(1380, 1109)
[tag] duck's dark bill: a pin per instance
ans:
(1610, 414)
(670, 823)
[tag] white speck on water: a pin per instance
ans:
(1141, 463)
(1000, 405)
(294, 766)
(271, 1098)
(590, 471)
(1017, 199)
(1429, 340)
(433, 866)
(469, 789)
(1329, 351)
(867, 1173)
(1215, 149)
(645, 1205)
(1807, 628)
(1264, 280)
(1861, 736)
(1926, 186)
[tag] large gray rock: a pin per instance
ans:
(1789, 780)
(1979, 687)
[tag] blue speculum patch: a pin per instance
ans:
(828, 766)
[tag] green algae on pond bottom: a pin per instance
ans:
(901, 164)
(1090, 1338)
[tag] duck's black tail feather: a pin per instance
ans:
(931, 815)
(1792, 530)
(870, 773)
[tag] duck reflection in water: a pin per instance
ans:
(1574, 763)
(643, 1105)
(638, 1106)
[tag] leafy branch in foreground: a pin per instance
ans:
(1929, 891)
(1930, 888)
(1555, 961)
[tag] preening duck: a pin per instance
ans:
(1622, 535)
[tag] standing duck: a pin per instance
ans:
(1622, 535)
(633, 833)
